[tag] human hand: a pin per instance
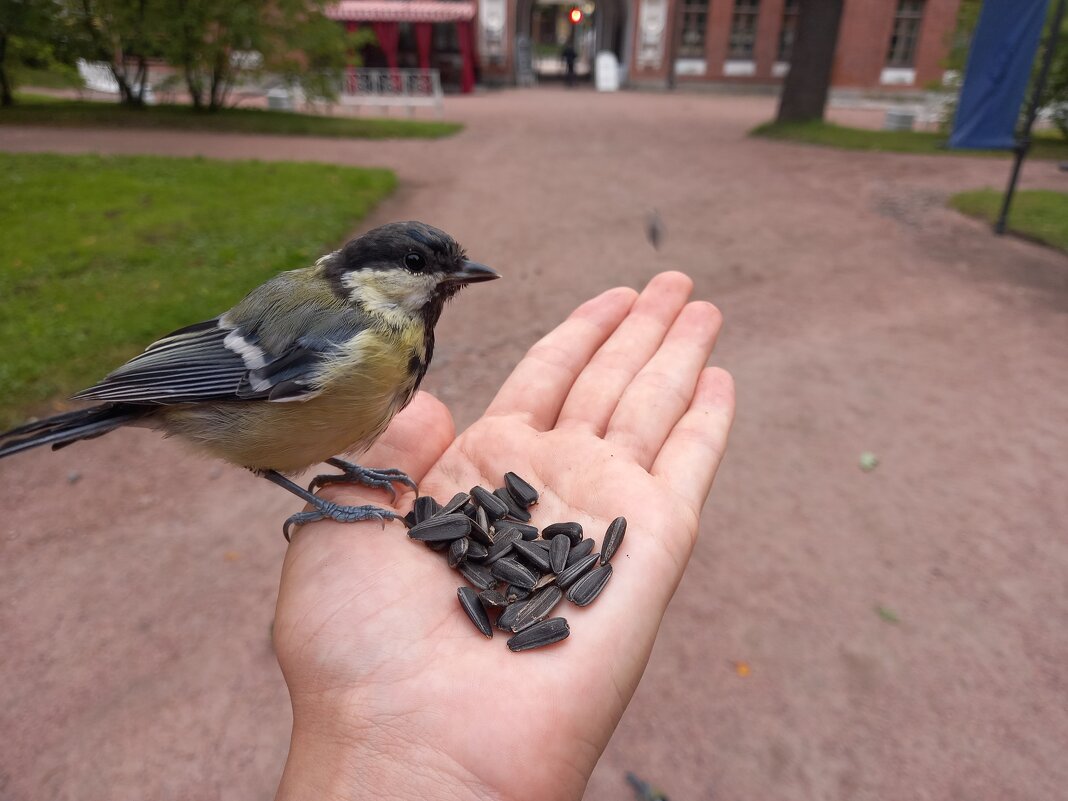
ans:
(395, 694)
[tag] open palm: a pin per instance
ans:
(613, 413)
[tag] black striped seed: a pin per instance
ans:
(538, 607)
(520, 489)
(508, 569)
(476, 551)
(559, 547)
(575, 572)
(533, 555)
(458, 551)
(588, 587)
(441, 528)
(494, 506)
(613, 538)
(514, 593)
(540, 634)
(494, 598)
(475, 610)
(478, 575)
(502, 546)
(480, 528)
(425, 507)
(514, 509)
(584, 548)
(456, 505)
(528, 531)
(506, 619)
(572, 530)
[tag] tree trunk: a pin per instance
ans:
(804, 92)
(6, 97)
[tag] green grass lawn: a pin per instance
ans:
(1046, 146)
(81, 114)
(100, 255)
(1035, 213)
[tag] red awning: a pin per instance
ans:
(401, 11)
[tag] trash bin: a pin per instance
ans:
(899, 120)
(279, 99)
(606, 72)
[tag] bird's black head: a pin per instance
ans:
(405, 267)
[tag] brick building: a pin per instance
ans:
(882, 43)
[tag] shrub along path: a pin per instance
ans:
(840, 633)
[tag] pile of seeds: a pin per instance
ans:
(520, 574)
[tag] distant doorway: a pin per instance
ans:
(549, 29)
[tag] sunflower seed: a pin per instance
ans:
(520, 489)
(612, 539)
(474, 609)
(494, 506)
(545, 581)
(439, 546)
(458, 551)
(502, 546)
(508, 569)
(575, 572)
(528, 531)
(514, 593)
(478, 575)
(588, 587)
(456, 505)
(506, 619)
(543, 544)
(544, 633)
(425, 507)
(572, 530)
(476, 551)
(534, 556)
(584, 548)
(494, 598)
(443, 527)
(480, 529)
(559, 546)
(537, 608)
(514, 509)
(409, 519)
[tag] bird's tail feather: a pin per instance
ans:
(63, 429)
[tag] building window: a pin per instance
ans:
(902, 52)
(743, 29)
(788, 31)
(694, 22)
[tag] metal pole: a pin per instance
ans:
(1023, 143)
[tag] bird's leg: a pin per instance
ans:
(368, 476)
(323, 508)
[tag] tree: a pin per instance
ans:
(26, 30)
(804, 92)
(217, 44)
(122, 34)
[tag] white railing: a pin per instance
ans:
(405, 88)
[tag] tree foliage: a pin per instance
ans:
(216, 45)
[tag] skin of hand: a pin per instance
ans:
(395, 693)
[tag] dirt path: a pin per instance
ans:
(137, 583)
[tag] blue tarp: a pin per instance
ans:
(999, 66)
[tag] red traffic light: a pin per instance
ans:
(575, 16)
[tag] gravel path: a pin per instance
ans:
(137, 582)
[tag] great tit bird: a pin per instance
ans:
(312, 364)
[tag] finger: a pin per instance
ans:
(537, 387)
(692, 453)
(414, 441)
(660, 394)
(597, 390)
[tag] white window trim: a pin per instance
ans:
(690, 66)
(779, 69)
(739, 68)
(897, 76)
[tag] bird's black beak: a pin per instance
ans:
(471, 272)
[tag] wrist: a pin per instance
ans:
(327, 763)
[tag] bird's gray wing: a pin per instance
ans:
(233, 357)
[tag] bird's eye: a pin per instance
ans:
(414, 261)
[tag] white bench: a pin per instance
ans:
(386, 88)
